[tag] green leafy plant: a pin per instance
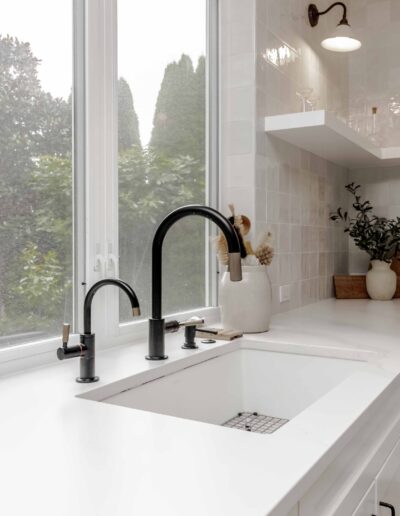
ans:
(41, 287)
(378, 236)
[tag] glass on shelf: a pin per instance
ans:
(373, 127)
(313, 102)
(305, 95)
(394, 106)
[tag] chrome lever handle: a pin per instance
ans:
(193, 321)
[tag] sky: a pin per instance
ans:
(151, 34)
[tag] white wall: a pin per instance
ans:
(374, 78)
(374, 70)
(283, 30)
(276, 184)
(238, 105)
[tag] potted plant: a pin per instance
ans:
(379, 237)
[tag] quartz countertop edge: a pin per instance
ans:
(63, 455)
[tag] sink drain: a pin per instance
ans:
(255, 422)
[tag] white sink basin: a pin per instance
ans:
(243, 380)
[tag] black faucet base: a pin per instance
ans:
(163, 357)
(156, 340)
(87, 380)
(185, 346)
(190, 334)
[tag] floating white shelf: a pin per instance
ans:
(321, 133)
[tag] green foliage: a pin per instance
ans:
(36, 218)
(151, 183)
(20, 95)
(128, 123)
(198, 126)
(51, 184)
(378, 236)
(40, 274)
(41, 288)
(55, 126)
(150, 186)
(179, 124)
(33, 123)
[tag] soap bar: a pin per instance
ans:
(218, 333)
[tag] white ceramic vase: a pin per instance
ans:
(381, 281)
(246, 305)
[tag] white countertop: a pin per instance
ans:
(63, 456)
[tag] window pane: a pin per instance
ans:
(35, 169)
(161, 124)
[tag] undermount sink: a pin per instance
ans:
(280, 385)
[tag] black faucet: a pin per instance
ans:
(157, 325)
(86, 349)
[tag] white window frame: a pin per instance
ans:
(96, 181)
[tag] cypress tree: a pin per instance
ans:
(128, 123)
(199, 111)
(172, 133)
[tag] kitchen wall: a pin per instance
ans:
(382, 188)
(269, 53)
(374, 80)
(374, 70)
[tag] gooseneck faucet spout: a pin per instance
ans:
(87, 306)
(156, 322)
(86, 349)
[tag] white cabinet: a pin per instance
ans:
(294, 511)
(388, 484)
(383, 496)
(367, 505)
(373, 491)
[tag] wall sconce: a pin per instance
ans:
(342, 38)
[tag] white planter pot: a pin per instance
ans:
(246, 305)
(381, 281)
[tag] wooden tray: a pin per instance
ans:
(354, 287)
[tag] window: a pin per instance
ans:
(35, 169)
(161, 144)
(105, 124)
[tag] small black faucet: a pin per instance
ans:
(157, 325)
(86, 349)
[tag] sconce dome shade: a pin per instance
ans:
(341, 40)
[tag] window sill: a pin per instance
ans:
(35, 354)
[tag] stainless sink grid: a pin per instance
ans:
(255, 422)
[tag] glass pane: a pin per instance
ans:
(161, 124)
(35, 169)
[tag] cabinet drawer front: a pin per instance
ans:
(367, 506)
(388, 483)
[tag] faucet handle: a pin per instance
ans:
(173, 326)
(193, 321)
(65, 334)
(190, 326)
(65, 351)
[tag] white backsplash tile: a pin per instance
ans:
(241, 137)
(269, 53)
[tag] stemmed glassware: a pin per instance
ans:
(305, 95)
